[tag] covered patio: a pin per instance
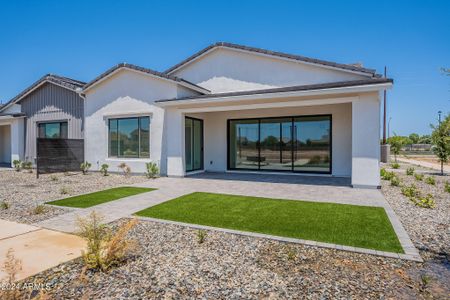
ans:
(11, 138)
(328, 132)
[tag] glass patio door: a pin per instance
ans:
(193, 130)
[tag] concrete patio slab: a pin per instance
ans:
(38, 249)
(9, 229)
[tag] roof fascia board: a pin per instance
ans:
(184, 84)
(340, 90)
(269, 56)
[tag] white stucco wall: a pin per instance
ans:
(224, 70)
(215, 131)
(366, 141)
(127, 94)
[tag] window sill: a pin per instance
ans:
(127, 159)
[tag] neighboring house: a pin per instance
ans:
(49, 108)
(236, 108)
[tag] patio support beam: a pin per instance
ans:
(366, 141)
(175, 143)
(17, 139)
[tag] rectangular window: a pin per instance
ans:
(294, 144)
(129, 137)
(52, 130)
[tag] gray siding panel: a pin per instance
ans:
(51, 102)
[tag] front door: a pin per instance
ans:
(193, 133)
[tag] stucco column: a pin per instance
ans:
(175, 142)
(17, 139)
(366, 141)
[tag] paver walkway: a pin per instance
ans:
(38, 249)
(309, 188)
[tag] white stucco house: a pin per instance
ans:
(232, 108)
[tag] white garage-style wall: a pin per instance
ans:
(215, 133)
(5, 144)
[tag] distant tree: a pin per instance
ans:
(396, 143)
(414, 137)
(441, 141)
(425, 139)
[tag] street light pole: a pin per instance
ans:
(389, 125)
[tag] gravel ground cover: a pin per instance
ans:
(429, 229)
(23, 192)
(170, 264)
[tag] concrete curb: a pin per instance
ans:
(405, 256)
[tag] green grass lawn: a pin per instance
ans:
(352, 225)
(88, 200)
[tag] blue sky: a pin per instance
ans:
(81, 39)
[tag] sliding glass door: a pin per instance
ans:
(193, 129)
(294, 144)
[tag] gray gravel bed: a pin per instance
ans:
(170, 264)
(23, 191)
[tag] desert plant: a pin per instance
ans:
(64, 190)
(125, 168)
(27, 165)
(447, 187)
(104, 248)
(426, 201)
(441, 141)
(291, 253)
(395, 181)
(53, 177)
(84, 167)
(17, 165)
(425, 279)
(410, 171)
(104, 169)
(410, 191)
(395, 165)
(201, 236)
(430, 180)
(152, 170)
(11, 268)
(4, 205)
(39, 209)
(386, 175)
(418, 177)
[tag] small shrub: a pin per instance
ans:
(386, 175)
(426, 201)
(291, 253)
(125, 168)
(104, 248)
(11, 267)
(39, 209)
(85, 166)
(410, 191)
(418, 177)
(201, 236)
(395, 181)
(104, 169)
(54, 178)
(17, 165)
(64, 190)
(410, 171)
(447, 187)
(27, 165)
(426, 279)
(430, 180)
(395, 166)
(152, 170)
(4, 205)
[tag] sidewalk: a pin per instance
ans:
(38, 249)
(424, 164)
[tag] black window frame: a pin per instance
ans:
(330, 116)
(60, 122)
(139, 137)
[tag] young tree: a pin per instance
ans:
(414, 137)
(441, 141)
(396, 143)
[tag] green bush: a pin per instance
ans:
(386, 175)
(426, 201)
(410, 171)
(419, 177)
(410, 191)
(395, 166)
(17, 164)
(447, 187)
(395, 181)
(85, 166)
(27, 165)
(152, 170)
(4, 205)
(430, 180)
(201, 236)
(104, 169)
